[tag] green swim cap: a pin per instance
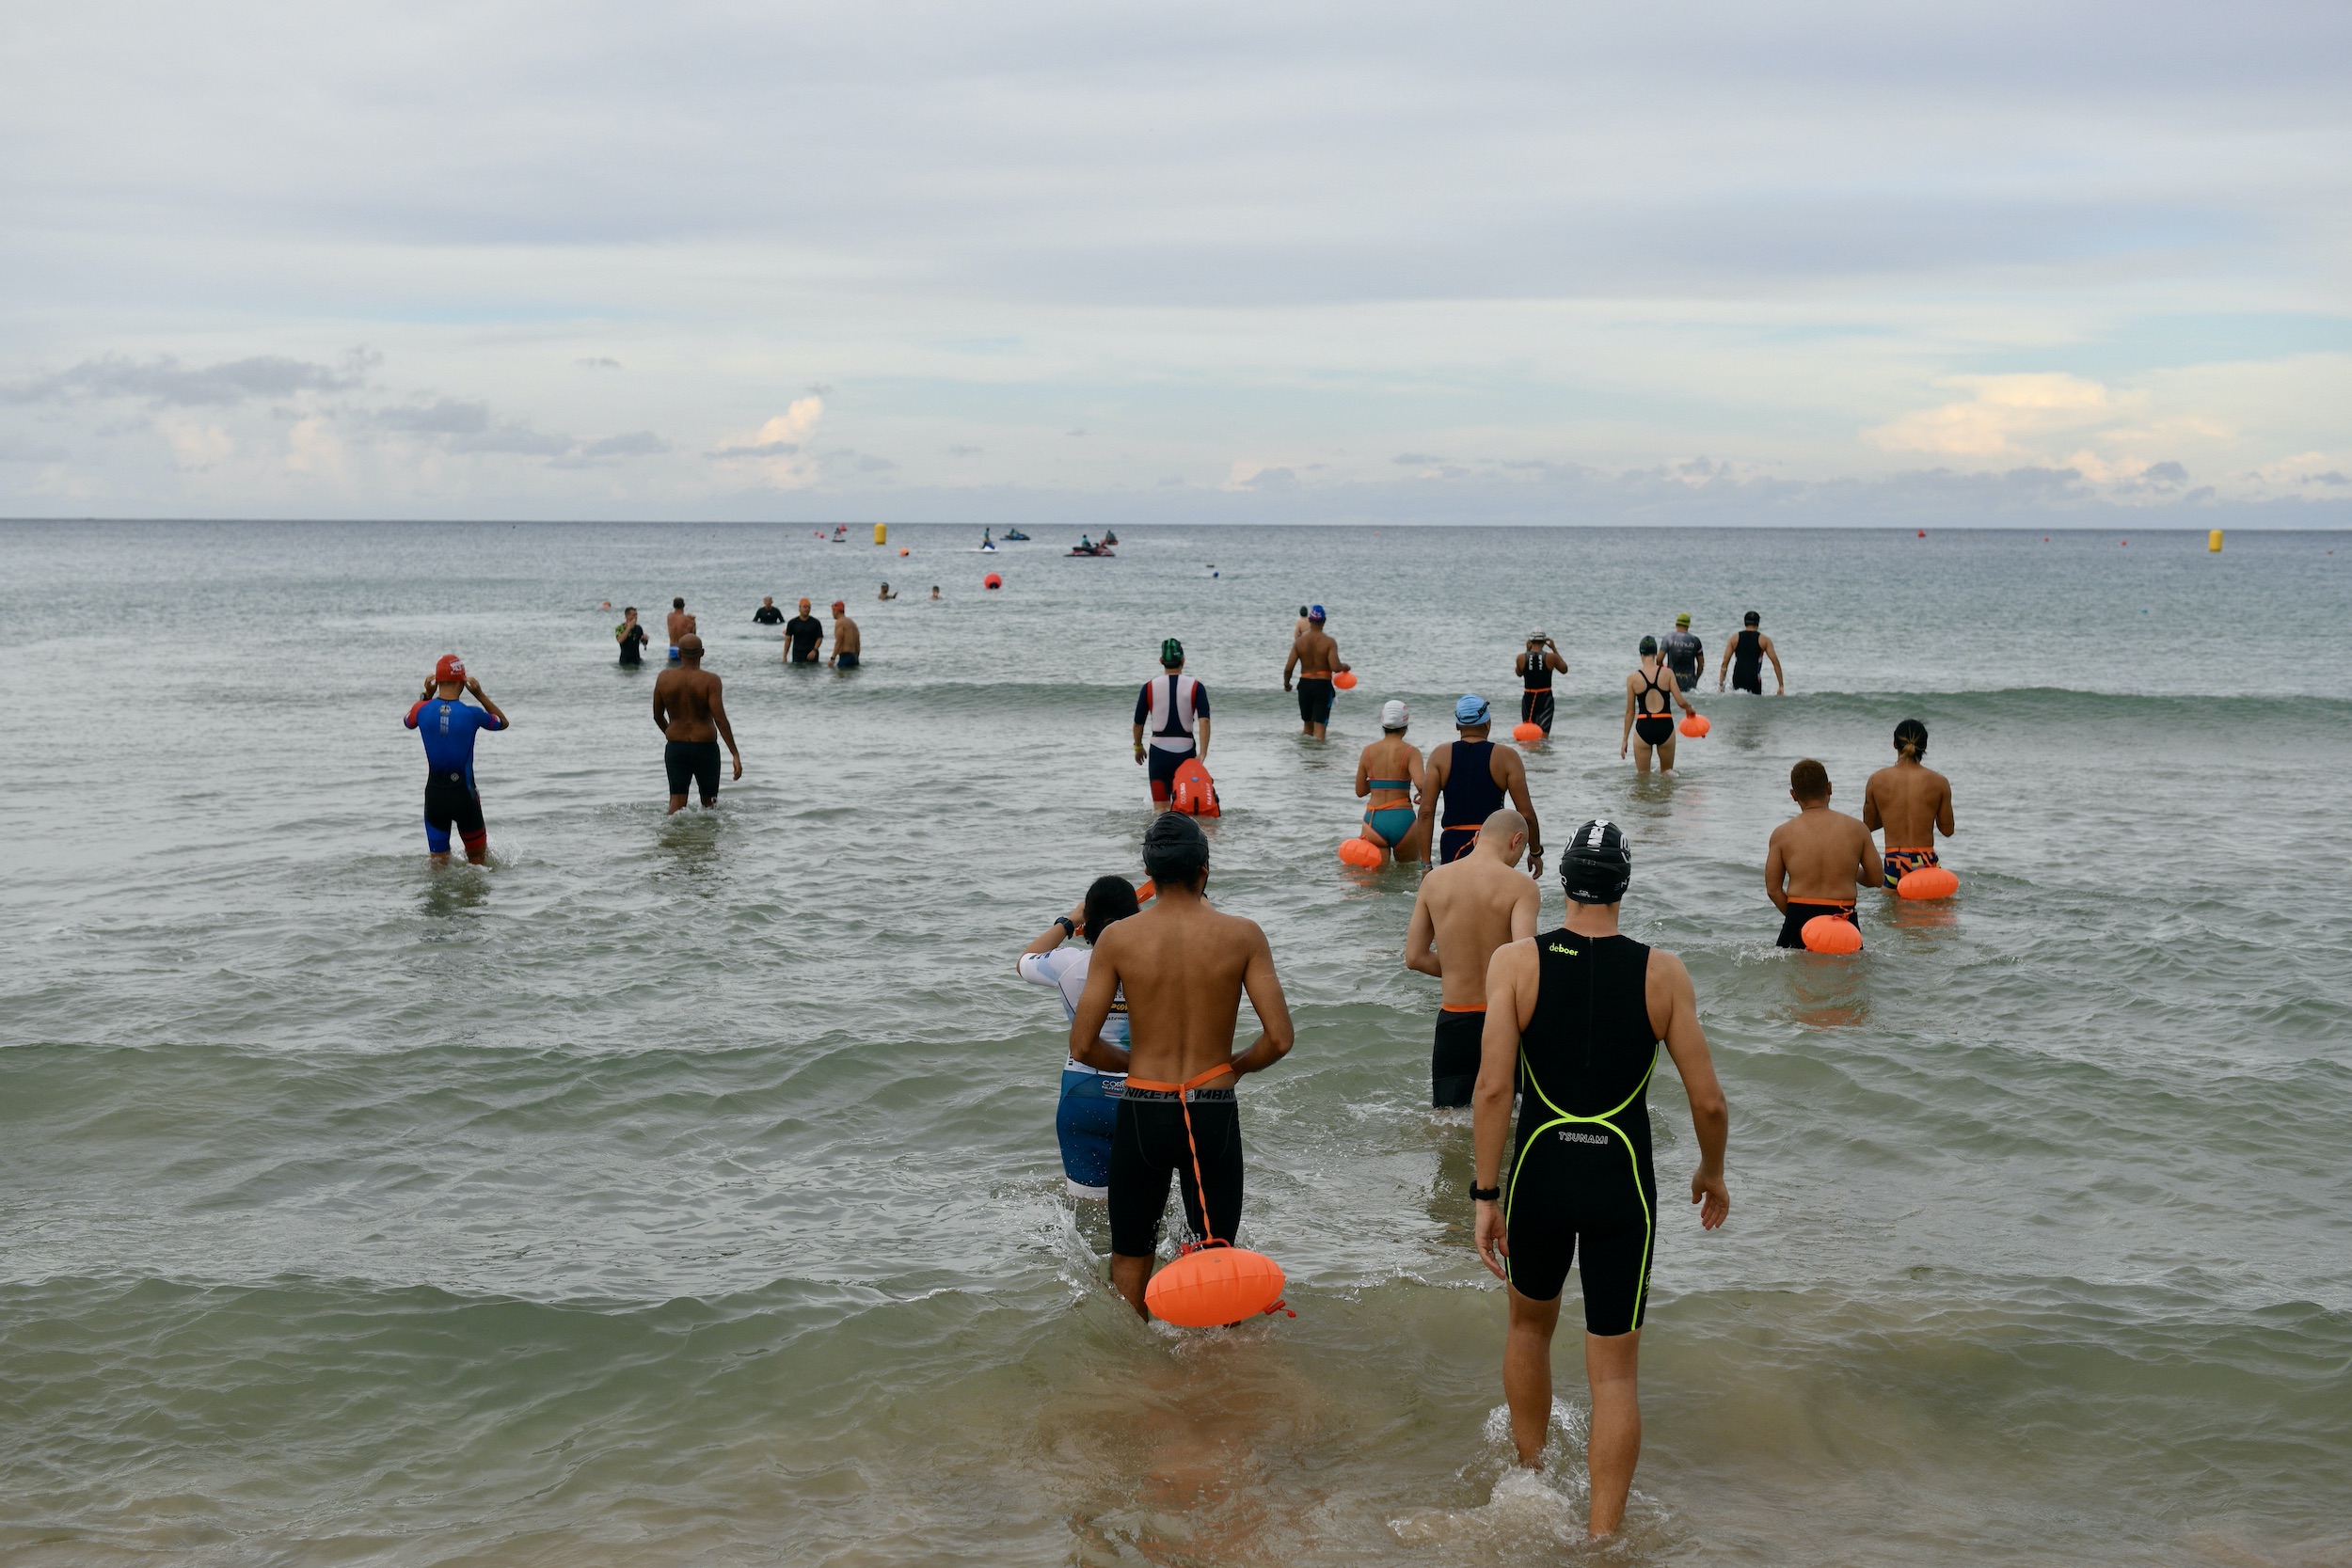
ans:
(1171, 652)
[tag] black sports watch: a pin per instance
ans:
(1068, 925)
(1483, 1194)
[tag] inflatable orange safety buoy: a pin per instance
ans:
(1695, 725)
(1344, 680)
(1528, 731)
(1144, 893)
(902, 550)
(1361, 852)
(1829, 933)
(1928, 881)
(1193, 792)
(991, 580)
(1208, 1287)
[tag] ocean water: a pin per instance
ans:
(684, 1191)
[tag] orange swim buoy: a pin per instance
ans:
(991, 580)
(1192, 791)
(902, 550)
(1928, 881)
(1695, 725)
(1344, 680)
(1144, 893)
(1828, 933)
(1216, 1283)
(1528, 731)
(1360, 851)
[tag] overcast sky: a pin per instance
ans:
(1719, 263)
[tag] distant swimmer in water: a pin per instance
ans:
(1465, 910)
(1316, 658)
(632, 636)
(1750, 648)
(767, 615)
(1183, 967)
(1574, 1018)
(1173, 713)
(1089, 1095)
(681, 627)
(1913, 802)
(1389, 774)
(934, 590)
(802, 635)
(1470, 777)
(691, 715)
(1816, 858)
(1650, 695)
(1684, 654)
(885, 593)
(845, 641)
(446, 725)
(1535, 666)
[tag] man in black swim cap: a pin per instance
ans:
(1173, 709)
(1181, 967)
(1574, 1018)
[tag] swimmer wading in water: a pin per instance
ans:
(1574, 1018)
(1089, 1095)
(1182, 967)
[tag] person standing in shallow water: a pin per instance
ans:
(632, 636)
(1650, 695)
(446, 725)
(691, 715)
(1574, 1018)
(1183, 967)
(1749, 648)
(1317, 657)
(1912, 801)
(1463, 911)
(1535, 666)
(1388, 773)
(1816, 859)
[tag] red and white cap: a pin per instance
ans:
(451, 670)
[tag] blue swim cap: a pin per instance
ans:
(1471, 710)
(1314, 613)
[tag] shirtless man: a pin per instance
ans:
(688, 711)
(1316, 658)
(1468, 777)
(1465, 911)
(681, 627)
(1910, 802)
(1816, 858)
(1746, 651)
(1650, 695)
(846, 642)
(1181, 967)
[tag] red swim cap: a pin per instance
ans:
(838, 607)
(451, 670)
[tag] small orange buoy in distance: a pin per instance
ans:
(1928, 881)
(1212, 1286)
(1695, 725)
(1344, 680)
(1527, 731)
(902, 550)
(991, 580)
(1827, 933)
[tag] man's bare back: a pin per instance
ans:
(1819, 856)
(1183, 967)
(681, 627)
(1467, 909)
(1912, 802)
(1316, 654)
(686, 704)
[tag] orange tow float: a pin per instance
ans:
(1212, 1282)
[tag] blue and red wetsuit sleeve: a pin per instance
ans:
(411, 720)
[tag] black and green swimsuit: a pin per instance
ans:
(1581, 1169)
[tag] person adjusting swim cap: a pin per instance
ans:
(1090, 1094)
(1598, 865)
(447, 727)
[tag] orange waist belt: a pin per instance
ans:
(1450, 1007)
(1184, 1103)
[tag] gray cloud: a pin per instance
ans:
(602, 362)
(2166, 474)
(640, 443)
(966, 451)
(1416, 459)
(165, 382)
(2330, 477)
(16, 449)
(763, 448)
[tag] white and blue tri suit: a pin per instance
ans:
(1090, 1097)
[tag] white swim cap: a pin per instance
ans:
(1393, 715)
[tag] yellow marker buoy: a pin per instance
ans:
(881, 533)
(2213, 541)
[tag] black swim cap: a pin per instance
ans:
(1650, 644)
(1598, 865)
(1175, 850)
(1172, 653)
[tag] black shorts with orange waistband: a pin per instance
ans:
(1454, 1059)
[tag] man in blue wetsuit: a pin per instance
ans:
(1470, 778)
(446, 725)
(1574, 1018)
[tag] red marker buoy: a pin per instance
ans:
(991, 580)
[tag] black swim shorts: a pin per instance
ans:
(1147, 1146)
(695, 760)
(1454, 1059)
(1579, 1186)
(1535, 708)
(1793, 924)
(1315, 700)
(450, 802)
(846, 661)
